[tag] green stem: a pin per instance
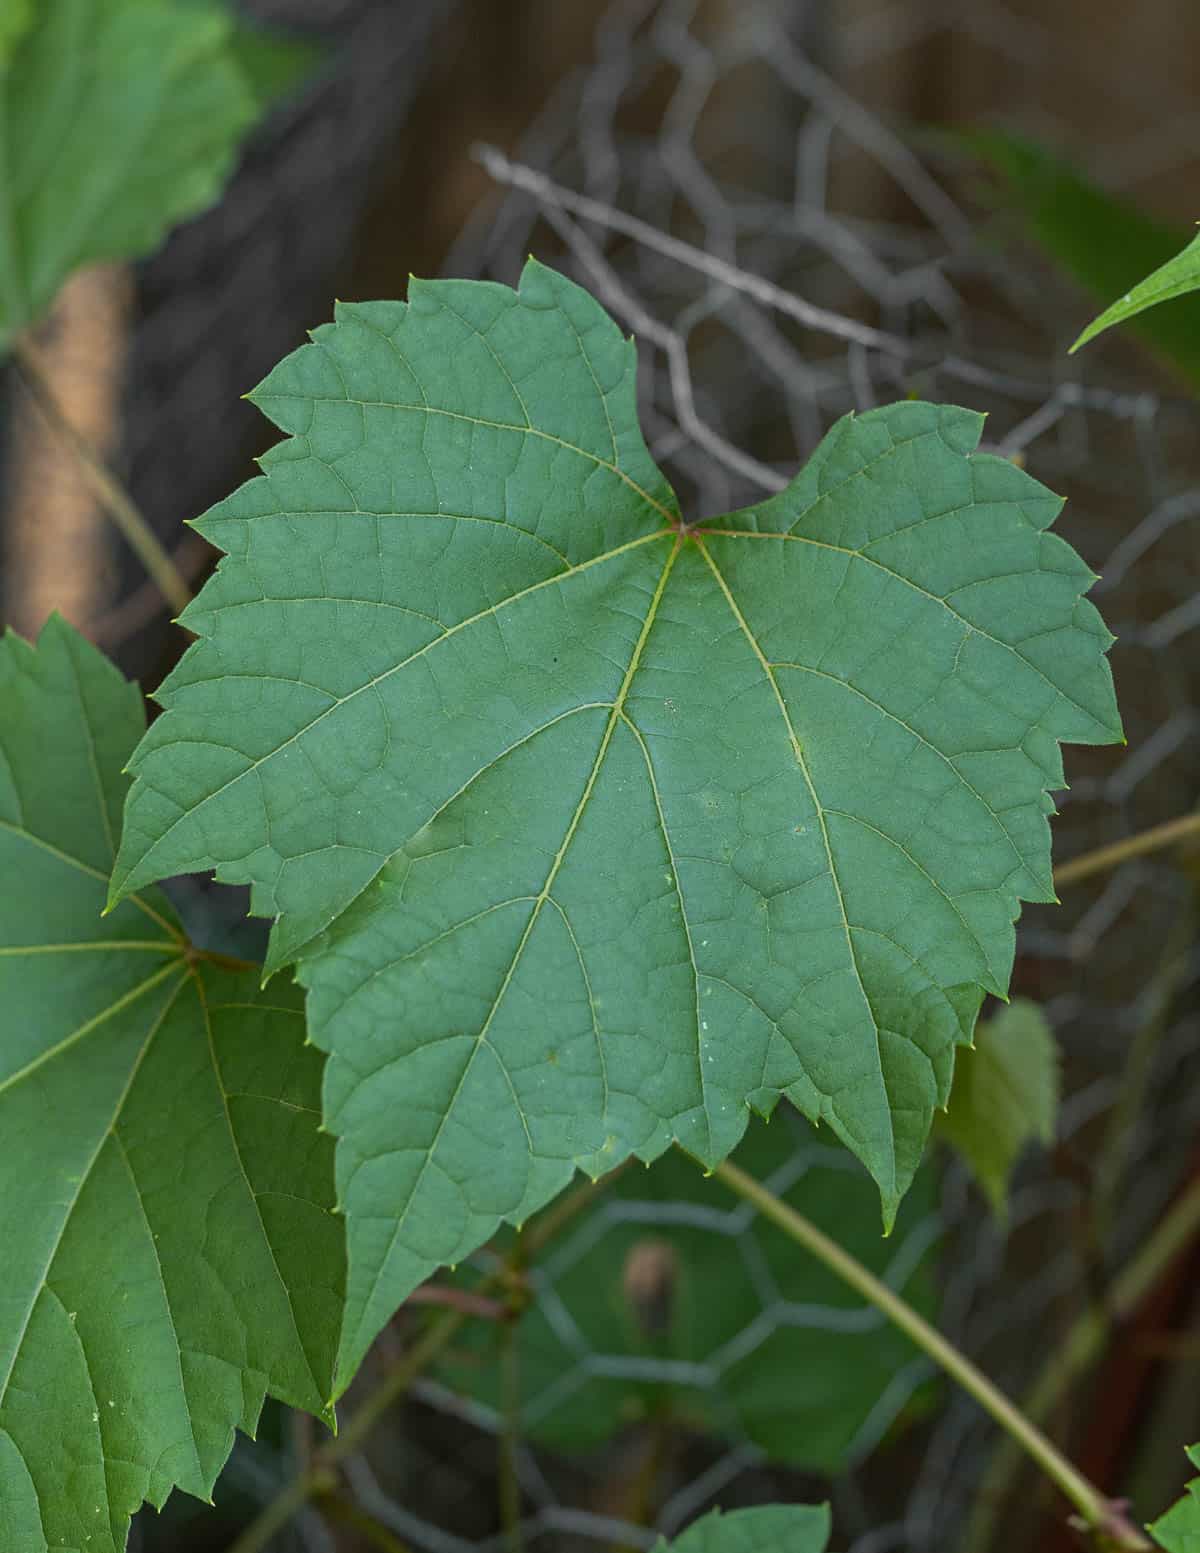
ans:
(320, 1477)
(510, 1435)
(1085, 1342)
(1187, 826)
(339, 1509)
(1100, 1514)
(112, 496)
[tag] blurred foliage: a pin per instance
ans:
(162, 94)
(662, 1287)
(1005, 1096)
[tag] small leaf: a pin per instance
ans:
(591, 832)
(1105, 242)
(118, 119)
(1179, 1529)
(666, 1300)
(170, 1251)
(1005, 1096)
(772, 1528)
(1177, 278)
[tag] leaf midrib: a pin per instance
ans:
(480, 1040)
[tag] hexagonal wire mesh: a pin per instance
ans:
(766, 303)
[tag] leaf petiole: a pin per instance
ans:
(1103, 1517)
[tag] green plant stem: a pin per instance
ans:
(1085, 1341)
(320, 1477)
(112, 496)
(339, 1509)
(510, 1435)
(1101, 1515)
(1186, 827)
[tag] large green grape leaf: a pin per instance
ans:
(170, 1253)
(1178, 1530)
(668, 1299)
(770, 1528)
(118, 118)
(591, 831)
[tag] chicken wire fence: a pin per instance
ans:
(703, 174)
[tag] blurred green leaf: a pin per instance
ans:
(118, 119)
(273, 64)
(772, 1528)
(1105, 242)
(1005, 1096)
(669, 1299)
(1179, 1529)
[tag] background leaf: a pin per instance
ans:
(1005, 1096)
(1105, 241)
(170, 1253)
(118, 118)
(592, 833)
(773, 1528)
(669, 1301)
(1179, 1529)
(274, 65)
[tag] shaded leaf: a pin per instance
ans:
(772, 1528)
(590, 832)
(1103, 240)
(274, 65)
(118, 119)
(1005, 1096)
(170, 1253)
(1179, 1529)
(666, 1300)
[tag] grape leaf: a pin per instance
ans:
(1178, 1530)
(170, 1253)
(1178, 277)
(118, 118)
(770, 1528)
(1005, 1096)
(668, 1298)
(590, 831)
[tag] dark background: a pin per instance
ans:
(790, 143)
